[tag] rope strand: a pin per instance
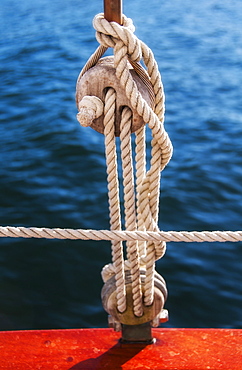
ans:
(91, 234)
(129, 206)
(113, 195)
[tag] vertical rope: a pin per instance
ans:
(154, 250)
(155, 79)
(154, 184)
(129, 205)
(140, 160)
(113, 195)
(127, 47)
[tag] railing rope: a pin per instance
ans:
(91, 234)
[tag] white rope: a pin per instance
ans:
(119, 235)
(140, 159)
(129, 208)
(90, 108)
(113, 196)
(143, 247)
(128, 47)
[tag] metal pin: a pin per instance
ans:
(113, 11)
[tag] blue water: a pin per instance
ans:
(52, 171)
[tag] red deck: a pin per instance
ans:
(179, 349)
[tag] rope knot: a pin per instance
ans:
(111, 34)
(90, 108)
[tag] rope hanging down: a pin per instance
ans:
(128, 49)
(145, 243)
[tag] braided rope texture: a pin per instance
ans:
(129, 207)
(127, 47)
(121, 235)
(143, 247)
(114, 205)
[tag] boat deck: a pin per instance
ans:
(189, 349)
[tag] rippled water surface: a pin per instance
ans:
(52, 171)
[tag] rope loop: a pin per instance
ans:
(109, 33)
(90, 107)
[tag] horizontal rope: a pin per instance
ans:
(74, 234)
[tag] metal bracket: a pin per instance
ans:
(142, 333)
(137, 333)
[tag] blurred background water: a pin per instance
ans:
(52, 171)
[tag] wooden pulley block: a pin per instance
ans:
(102, 76)
(109, 300)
